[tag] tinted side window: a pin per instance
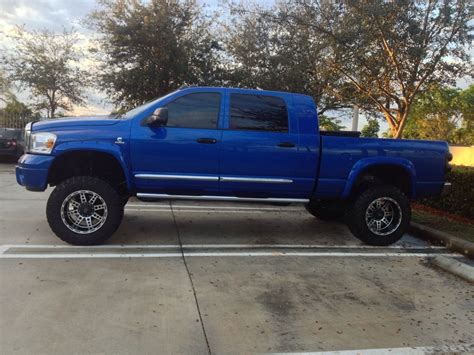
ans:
(258, 113)
(199, 110)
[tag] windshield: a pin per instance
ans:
(11, 134)
(144, 107)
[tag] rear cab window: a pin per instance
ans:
(254, 112)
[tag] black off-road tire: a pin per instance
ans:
(106, 191)
(356, 215)
(124, 199)
(326, 210)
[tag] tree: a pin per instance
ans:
(5, 92)
(15, 114)
(371, 129)
(465, 134)
(443, 113)
(16, 108)
(389, 50)
(281, 55)
(148, 49)
(329, 123)
(47, 64)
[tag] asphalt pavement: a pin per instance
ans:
(194, 277)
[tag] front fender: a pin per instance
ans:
(116, 150)
(366, 163)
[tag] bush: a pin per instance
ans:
(460, 201)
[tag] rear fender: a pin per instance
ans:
(362, 165)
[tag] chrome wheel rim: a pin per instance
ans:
(383, 216)
(84, 211)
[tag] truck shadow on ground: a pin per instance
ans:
(208, 228)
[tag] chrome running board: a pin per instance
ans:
(221, 198)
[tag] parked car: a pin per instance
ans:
(223, 144)
(11, 142)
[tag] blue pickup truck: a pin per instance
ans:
(225, 144)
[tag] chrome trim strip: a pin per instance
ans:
(257, 180)
(221, 198)
(176, 177)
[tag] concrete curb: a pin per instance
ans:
(454, 267)
(451, 242)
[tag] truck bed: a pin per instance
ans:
(343, 156)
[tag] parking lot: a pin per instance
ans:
(219, 278)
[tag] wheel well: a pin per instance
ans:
(384, 174)
(88, 163)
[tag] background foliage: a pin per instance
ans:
(46, 63)
(395, 60)
(371, 129)
(460, 200)
(148, 49)
(443, 113)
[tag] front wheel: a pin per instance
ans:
(84, 210)
(380, 215)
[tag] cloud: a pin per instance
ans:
(50, 14)
(54, 15)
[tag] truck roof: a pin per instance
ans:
(243, 90)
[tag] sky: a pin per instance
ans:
(55, 15)
(58, 14)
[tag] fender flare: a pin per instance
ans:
(102, 147)
(365, 163)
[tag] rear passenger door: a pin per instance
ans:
(259, 155)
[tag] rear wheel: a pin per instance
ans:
(84, 210)
(380, 215)
(326, 210)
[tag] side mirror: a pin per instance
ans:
(158, 118)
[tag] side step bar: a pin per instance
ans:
(221, 198)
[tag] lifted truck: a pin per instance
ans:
(224, 144)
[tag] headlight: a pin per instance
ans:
(42, 142)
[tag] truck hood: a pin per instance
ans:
(72, 122)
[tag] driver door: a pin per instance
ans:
(182, 157)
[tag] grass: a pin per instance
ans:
(444, 224)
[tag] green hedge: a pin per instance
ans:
(460, 201)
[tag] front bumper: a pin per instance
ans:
(32, 171)
(446, 188)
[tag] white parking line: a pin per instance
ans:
(215, 246)
(45, 251)
(444, 349)
(216, 254)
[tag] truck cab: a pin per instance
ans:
(227, 142)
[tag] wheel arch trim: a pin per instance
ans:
(113, 151)
(363, 165)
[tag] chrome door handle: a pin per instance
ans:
(286, 144)
(206, 140)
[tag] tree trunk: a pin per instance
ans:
(401, 119)
(52, 104)
(398, 134)
(390, 121)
